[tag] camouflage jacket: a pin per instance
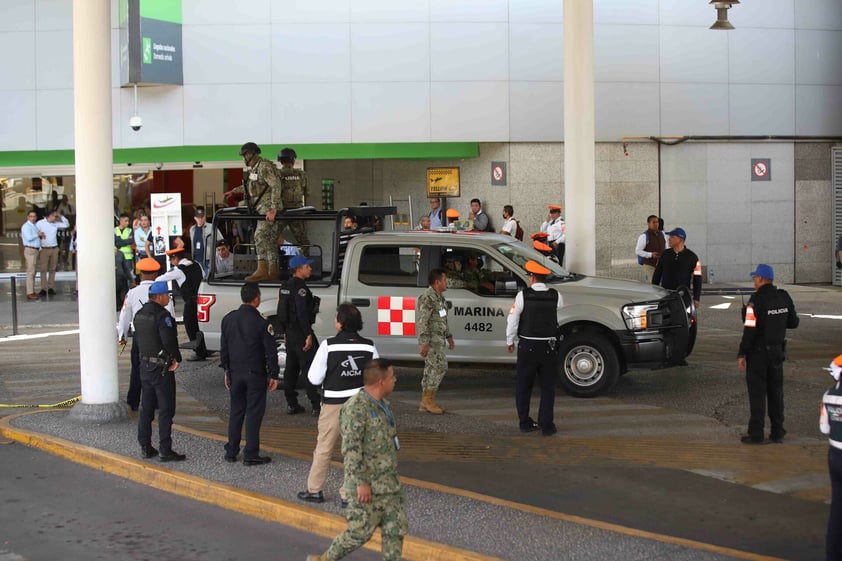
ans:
(264, 176)
(430, 323)
(368, 445)
(294, 182)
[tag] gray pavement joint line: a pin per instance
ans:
(608, 526)
(225, 496)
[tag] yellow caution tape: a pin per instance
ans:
(64, 403)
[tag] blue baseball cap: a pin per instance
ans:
(764, 271)
(159, 287)
(298, 261)
(678, 232)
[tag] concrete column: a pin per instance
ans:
(94, 193)
(579, 150)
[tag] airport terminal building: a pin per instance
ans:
(733, 134)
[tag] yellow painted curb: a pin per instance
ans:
(225, 496)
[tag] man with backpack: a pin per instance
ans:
(511, 225)
(650, 246)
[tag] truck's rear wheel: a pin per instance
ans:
(588, 363)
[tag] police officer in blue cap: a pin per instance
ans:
(769, 313)
(157, 340)
(297, 309)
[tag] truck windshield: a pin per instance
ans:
(520, 254)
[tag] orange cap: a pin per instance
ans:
(554, 208)
(542, 247)
(174, 250)
(539, 236)
(536, 268)
(452, 213)
(148, 265)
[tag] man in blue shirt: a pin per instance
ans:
(31, 238)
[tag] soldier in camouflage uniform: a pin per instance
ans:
(370, 449)
(262, 189)
(431, 322)
(294, 192)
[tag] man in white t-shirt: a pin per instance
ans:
(509, 223)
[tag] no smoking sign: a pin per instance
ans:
(498, 173)
(761, 169)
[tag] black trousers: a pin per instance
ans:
(191, 322)
(298, 363)
(765, 382)
(248, 402)
(133, 395)
(536, 359)
(833, 541)
(158, 393)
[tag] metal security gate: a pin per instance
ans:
(836, 179)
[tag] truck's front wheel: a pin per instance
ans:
(588, 363)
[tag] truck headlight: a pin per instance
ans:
(637, 317)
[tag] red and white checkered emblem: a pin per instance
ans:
(396, 315)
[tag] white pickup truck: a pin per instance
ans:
(606, 325)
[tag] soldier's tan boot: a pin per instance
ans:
(262, 273)
(274, 273)
(428, 403)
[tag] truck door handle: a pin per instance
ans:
(361, 302)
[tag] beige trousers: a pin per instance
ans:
(30, 255)
(329, 435)
(49, 262)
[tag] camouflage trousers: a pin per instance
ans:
(386, 512)
(435, 367)
(299, 232)
(266, 241)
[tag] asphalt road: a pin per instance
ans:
(107, 517)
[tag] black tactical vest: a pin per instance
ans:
(146, 334)
(193, 274)
(538, 319)
(834, 413)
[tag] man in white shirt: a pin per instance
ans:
(49, 226)
(31, 238)
(556, 231)
(510, 224)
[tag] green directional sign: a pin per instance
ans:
(147, 50)
(150, 42)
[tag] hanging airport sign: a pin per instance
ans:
(150, 42)
(761, 169)
(166, 219)
(443, 182)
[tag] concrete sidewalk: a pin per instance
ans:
(445, 523)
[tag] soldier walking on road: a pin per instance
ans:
(247, 354)
(433, 331)
(262, 190)
(338, 368)
(534, 320)
(159, 358)
(769, 313)
(294, 194)
(370, 446)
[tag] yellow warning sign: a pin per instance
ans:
(443, 182)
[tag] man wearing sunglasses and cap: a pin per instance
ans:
(533, 319)
(769, 313)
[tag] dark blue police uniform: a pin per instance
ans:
(297, 320)
(247, 354)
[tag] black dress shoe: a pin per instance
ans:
(42, 292)
(148, 451)
(309, 497)
(172, 456)
(51, 292)
(294, 409)
(230, 459)
(549, 431)
(529, 428)
(256, 461)
(751, 440)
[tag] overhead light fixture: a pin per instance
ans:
(722, 14)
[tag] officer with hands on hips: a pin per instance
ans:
(830, 423)
(534, 320)
(769, 313)
(135, 299)
(157, 340)
(247, 353)
(297, 310)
